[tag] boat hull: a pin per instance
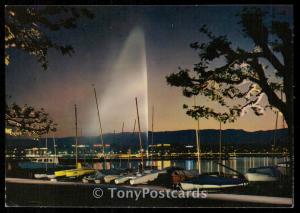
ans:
(145, 178)
(60, 173)
(124, 179)
(212, 182)
(190, 186)
(97, 181)
(51, 176)
(79, 172)
(73, 172)
(39, 176)
(254, 177)
(284, 168)
(263, 174)
(110, 178)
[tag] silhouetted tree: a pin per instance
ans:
(245, 76)
(27, 28)
(27, 121)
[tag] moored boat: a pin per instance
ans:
(110, 178)
(284, 168)
(211, 182)
(96, 177)
(125, 178)
(111, 175)
(79, 172)
(51, 176)
(263, 174)
(40, 176)
(61, 173)
(146, 177)
(178, 175)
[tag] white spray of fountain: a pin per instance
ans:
(128, 80)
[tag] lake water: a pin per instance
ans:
(241, 164)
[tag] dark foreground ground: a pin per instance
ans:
(81, 195)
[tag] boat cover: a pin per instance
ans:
(214, 180)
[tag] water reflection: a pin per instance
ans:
(189, 164)
(241, 164)
(161, 164)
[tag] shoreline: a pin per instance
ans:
(205, 156)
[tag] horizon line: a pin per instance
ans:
(143, 132)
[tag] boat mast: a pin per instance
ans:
(47, 151)
(139, 126)
(274, 139)
(198, 142)
(129, 151)
(122, 134)
(152, 136)
(100, 126)
(220, 142)
(281, 97)
(114, 139)
(54, 147)
(121, 139)
(84, 148)
(76, 142)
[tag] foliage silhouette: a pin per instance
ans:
(241, 82)
(27, 28)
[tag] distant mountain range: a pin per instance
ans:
(208, 137)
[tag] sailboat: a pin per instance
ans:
(183, 175)
(129, 150)
(207, 181)
(79, 171)
(120, 164)
(100, 127)
(222, 156)
(211, 182)
(266, 173)
(152, 136)
(106, 176)
(130, 175)
(284, 168)
(143, 176)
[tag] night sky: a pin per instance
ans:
(127, 51)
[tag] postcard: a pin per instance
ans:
(149, 106)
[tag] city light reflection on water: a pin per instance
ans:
(241, 164)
